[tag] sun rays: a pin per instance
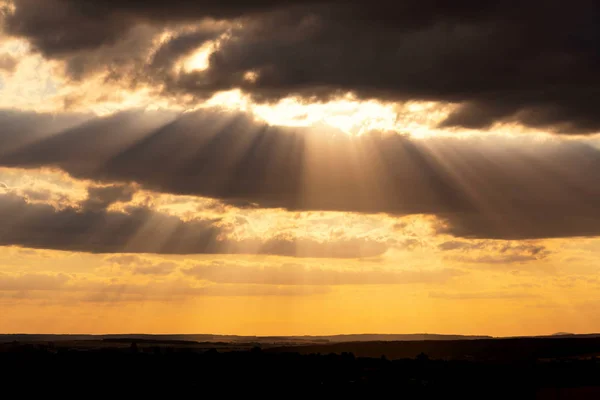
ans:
(289, 215)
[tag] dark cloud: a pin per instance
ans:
(532, 62)
(504, 188)
(20, 128)
(141, 230)
(101, 197)
(459, 245)
(120, 62)
(231, 157)
(493, 252)
(521, 224)
(180, 45)
(498, 259)
(57, 27)
(502, 247)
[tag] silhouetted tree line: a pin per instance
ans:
(169, 370)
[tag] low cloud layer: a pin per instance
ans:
(142, 230)
(500, 188)
(500, 296)
(534, 63)
(27, 282)
(37, 286)
(493, 252)
(293, 274)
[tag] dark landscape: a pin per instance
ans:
(551, 367)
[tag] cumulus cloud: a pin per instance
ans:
(499, 188)
(534, 64)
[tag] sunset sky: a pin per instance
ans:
(265, 167)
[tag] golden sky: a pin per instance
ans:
(181, 175)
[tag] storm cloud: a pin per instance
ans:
(533, 63)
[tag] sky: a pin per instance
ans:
(266, 167)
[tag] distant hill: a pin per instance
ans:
(271, 340)
(563, 335)
(500, 349)
(394, 337)
(238, 339)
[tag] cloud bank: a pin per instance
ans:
(142, 230)
(534, 63)
(493, 187)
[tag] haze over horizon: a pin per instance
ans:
(231, 335)
(280, 168)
